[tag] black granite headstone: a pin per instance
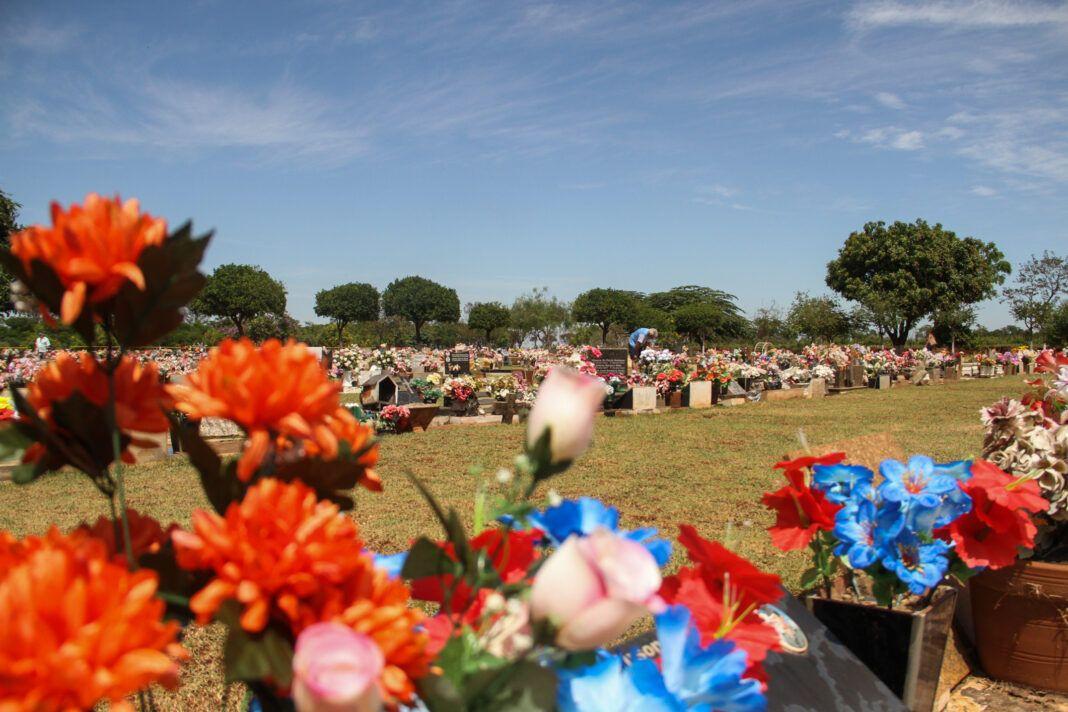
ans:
(458, 362)
(814, 673)
(612, 361)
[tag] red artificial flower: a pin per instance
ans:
(1048, 362)
(723, 591)
(809, 461)
(800, 512)
(511, 557)
(999, 522)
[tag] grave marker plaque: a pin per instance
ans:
(458, 362)
(612, 361)
(813, 673)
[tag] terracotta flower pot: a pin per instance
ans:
(1020, 615)
(904, 649)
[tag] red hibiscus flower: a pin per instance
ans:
(800, 512)
(999, 522)
(807, 462)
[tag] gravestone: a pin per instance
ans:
(643, 399)
(612, 361)
(856, 375)
(319, 353)
(884, 381)
(418, 361)
(813, 673)
(698, 394)
(458, 362)
(817, 388)
(734, 390)
(952, 373)
(921, 377)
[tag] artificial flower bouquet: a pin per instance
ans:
(427, 390)
(458, 388)
(525, 605)
(670, 381)
(347, 359)
(894, 542)
(393, 419)
(1028, 438)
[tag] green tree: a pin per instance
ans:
(768, 324)
(904, 272)
(699, 321)
(732, 321)
(1057, 326)
(240, 293)
(605, 307)
(818, 318)
(1040, 283)
(346, 303)
(538, 316)
(488, 317)
(9, 224)
(420, 300)
(951, 324)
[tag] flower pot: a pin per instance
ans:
(1020, 615)
(661, 402)
(904, 649)
(986, 371)
(674, 399)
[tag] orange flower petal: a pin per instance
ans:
(73, 301)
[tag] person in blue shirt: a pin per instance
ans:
(640, 340)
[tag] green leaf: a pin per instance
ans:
(811, 579)
(541, 460)
(13, 442)
(439, 694)
(262, 656)
(220, 486)
(426, 558)
(525, 686)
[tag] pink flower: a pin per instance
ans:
(336, 669)
(593, 588)
(566, 404)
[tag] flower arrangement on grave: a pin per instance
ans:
(986, 359)
(500, 387)
(670, 381)
(347, 359)
(1028, 438)
(823, 371)
(393, 419)
(615, 386)
(458, 388)
(895, 542)
(427, 391)
(383, 360)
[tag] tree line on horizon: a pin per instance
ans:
(889, 282)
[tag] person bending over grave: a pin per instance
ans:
(640, 340)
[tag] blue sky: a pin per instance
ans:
(497, 147)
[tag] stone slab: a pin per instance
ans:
(644, 399)
(698, 394)
(885, 382)
(219, 428)
(816, 388)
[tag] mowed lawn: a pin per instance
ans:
(706, 468)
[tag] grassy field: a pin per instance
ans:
(707, 468)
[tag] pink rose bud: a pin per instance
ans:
(336, 669)
(566, 404)
(594, 588)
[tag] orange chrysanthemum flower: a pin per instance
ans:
(92, 248)
(285, 555)
(77, 628)
(279, 394)
(147, 536)
(140, 400)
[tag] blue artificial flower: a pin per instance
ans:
(859, 537)
(391, 563)
(839, 482)
(917, 564)
(693, 678)
(921, 489)
(585, 515)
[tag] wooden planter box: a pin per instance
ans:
(904, 649)
(422, 415)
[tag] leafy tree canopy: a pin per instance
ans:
(1040, 283)
(605, 307)
(346, 303)
(903, 272)
(1057, 328)
(487, 317)
(731, 322)
(818, 318)
(420, 300)
(537, 315)
(9, 224)
(699, 321)
(240, 293)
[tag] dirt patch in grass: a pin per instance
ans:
(707, 468)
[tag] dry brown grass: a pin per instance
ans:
(707, 468)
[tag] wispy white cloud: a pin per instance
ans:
(890, 100)
(957, 14)
(885, 137)
(39, 37)
(983, 191)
